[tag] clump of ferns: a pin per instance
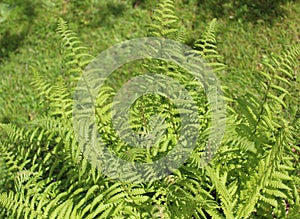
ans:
(258, 158)
(251, 175)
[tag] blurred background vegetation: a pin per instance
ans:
(249, 31)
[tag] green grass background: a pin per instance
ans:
(248, 33)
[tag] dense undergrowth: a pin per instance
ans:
(252, 48)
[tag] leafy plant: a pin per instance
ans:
(255, 173)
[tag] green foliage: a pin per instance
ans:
(255, 173)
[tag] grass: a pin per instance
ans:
(28, 40)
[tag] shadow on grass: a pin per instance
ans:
(13, 33)
(249, 11)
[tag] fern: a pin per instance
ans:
(164, 22)
(76, 57)
(46, 171)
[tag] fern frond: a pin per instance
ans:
(76, 57)
(207, 49)
(164, 22)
